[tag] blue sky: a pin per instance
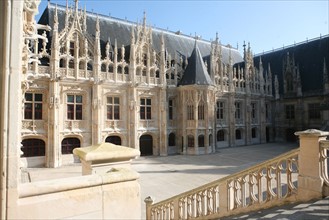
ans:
(266, 25)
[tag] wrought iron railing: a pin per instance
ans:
(268, 182)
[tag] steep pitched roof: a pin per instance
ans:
(309, 56)
(196, 72)
(119, 29)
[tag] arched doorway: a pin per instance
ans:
(113, 139)
(68, 144)
(33, 147)
(146, 145)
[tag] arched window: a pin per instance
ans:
(201, 140)
(220, 135)
(82, 65)
(113, 139)
(120, 69)
(68, 144)
(238, 134)
(126, 70)
(103, 67)
(33, 147)
(62, 63)
(190, 141)
(89, 66)
(138, 71)
(253, 133)
(110, 68)
(157, 74)
(171, 139)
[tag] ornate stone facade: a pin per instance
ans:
(93, 79)
(93, 91)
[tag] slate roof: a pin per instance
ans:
(196, 71)
(115, 28)
(309, 57)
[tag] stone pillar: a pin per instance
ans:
(309, 181)
(101, 158)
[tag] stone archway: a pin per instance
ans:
(146, 145)
(113, 139)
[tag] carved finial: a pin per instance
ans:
(76, 4)
(55, 18)
(122, 52)
(132, 35)
(97, 24)
(144, 19)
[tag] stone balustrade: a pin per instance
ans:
(299, 175)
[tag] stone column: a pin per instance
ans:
(309, 181)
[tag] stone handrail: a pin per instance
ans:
(263, 185)
(324, 160)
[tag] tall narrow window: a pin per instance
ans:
(145, 108)
(170, 108)
(237, 110)
(253, 110)
(290, 112)
(72, 48)
(190, 112)
(33, 106)
(314, 111)
(201, 112)
(74, 107)
(113, 108)
(220, 110)
(267, 115)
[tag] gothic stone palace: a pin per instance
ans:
(94, 78)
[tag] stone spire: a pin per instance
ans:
(55, 19)
(299, 83)
(196, 72)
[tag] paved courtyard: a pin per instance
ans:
(163, 177)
